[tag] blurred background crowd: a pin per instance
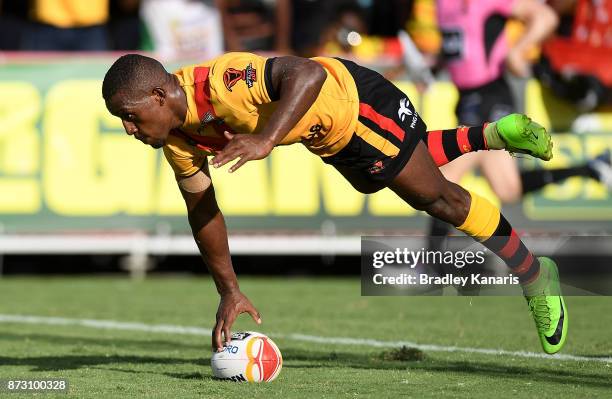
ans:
(395, 33)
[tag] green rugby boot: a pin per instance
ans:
(518, 133)
(547, 307)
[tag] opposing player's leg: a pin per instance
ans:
(421, 184)
(513, 133)
(598, 168)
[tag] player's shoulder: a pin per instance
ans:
(187, 73)
(224, 68)
(235, 57)
(178, 148)
(184, 158)
(237, 65)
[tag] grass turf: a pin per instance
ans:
(113, 363)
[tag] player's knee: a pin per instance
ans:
(452, 206)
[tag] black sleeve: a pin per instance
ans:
(274, 96)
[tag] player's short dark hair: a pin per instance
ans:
(132, 72)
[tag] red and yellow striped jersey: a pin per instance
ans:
(234, 92)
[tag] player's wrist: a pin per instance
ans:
(228, 289)
(269, 142)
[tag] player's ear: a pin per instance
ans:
(160, 95)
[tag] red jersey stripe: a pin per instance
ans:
(381, 120)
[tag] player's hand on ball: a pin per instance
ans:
(232, 304)
(246, 147)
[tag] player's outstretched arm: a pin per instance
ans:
(298, 82)
(209, 231)
(540, 21)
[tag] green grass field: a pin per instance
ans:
(117, 363)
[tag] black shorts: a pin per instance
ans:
(485, 103)
(389, 128)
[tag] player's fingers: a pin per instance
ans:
(217, 342)
(227, 334)
(228, 135)
(228, 322)
(228, 154)
(222, 157)
(254, 314)
(238, 164)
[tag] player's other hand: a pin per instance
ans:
(246, 147)
(232, 304)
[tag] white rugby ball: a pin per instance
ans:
(250, 357)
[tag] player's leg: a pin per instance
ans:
(475, 106)
(421, 184)
(501, 171)
(506, 186)
(509, 184)
(491, 102)
(514, 133)
(438, 229)
(598, 168)
(387, 150)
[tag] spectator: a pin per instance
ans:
(67, 25)
(388, 17)
(347, 35)
(12, 23)
(309, 18)
(576, 63)
(183, 27)
(124, 25)
(255, 24)
(345, 30)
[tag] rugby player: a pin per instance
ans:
(239, 106)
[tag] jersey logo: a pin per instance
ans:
(233, 76)
(208, 118)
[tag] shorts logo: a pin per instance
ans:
(377, 167)
(233, 76)
(404, 112)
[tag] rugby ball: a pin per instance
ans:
(249, 357)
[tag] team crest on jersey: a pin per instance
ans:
(233, 76)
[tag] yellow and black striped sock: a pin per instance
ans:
(486, 224)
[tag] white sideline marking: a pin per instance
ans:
(173, 329)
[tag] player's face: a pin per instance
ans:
(146, 119)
